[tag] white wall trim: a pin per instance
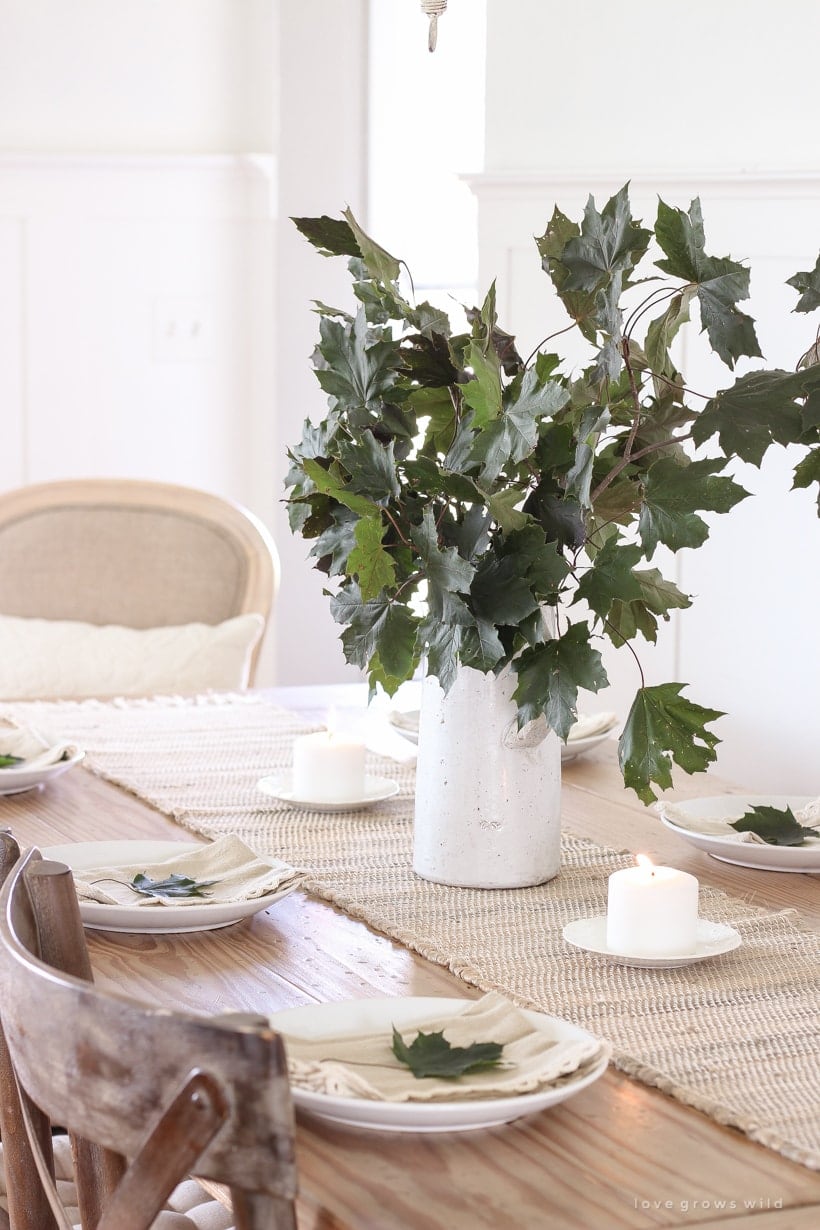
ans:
(505, 185)
(113, 185)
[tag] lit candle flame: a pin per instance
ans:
(645, 863)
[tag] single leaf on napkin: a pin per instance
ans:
(432, 1055)
(777, 827)
(8, 762)
(360, 1063)
(173, 885)
(230, 869)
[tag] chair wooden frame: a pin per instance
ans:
(173, 1093)
(248, 538)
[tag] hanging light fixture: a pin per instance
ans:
(433, 8)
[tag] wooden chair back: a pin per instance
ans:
(148, 1095)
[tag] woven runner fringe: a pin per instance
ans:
(735, 1037)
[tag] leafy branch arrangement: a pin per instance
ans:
(455, 490)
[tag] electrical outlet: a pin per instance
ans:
(182, 330)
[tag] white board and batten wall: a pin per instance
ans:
(715, 107)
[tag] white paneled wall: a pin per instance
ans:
(127, 292)
(748, 645)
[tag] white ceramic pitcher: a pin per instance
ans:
(488, 797)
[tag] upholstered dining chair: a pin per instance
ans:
(80, 554)
(148, 1095)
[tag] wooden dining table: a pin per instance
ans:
(617, 1154)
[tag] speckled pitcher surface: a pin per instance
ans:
(487, 795)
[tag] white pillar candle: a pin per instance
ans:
(328, 768)
(652, 911)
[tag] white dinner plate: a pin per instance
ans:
(351, 1016)
(711, 940)
(376, 790)
(15, 780)
(158, 919)
(406, 723)
(729, 848)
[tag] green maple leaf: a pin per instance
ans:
(661, 721)
(579, 304)
(380, 264)
(672, 493)
(330, 236)
(368, 561)
(445, 570)
(579, 477)
(721, 282)
(442, 646)
(662, 331)
(378, 626)
(330, 482)
(611, 578)
(334, 544)
(371, 466)
(609, 243)
(808, 471)
(483, 391)
(432, 1055)
(500, 593)
(658, 597)
(778, 827)
(173, 886)
(809, 286)
(513, 436)
(357, 374)
(550, 674)
(8, 762)
(537, 559)
(481, 646)
(759, 409)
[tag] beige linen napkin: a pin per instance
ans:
(362, 1065)
(34, 750)
(720, 826)
(240, 875)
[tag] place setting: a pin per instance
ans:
(328, 775)
(652, 921)
(28, 760)
(430, 1064)
(763, 831)
(172, 887)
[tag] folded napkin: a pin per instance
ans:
(362, 1065)
(240, 875)
(721, 826)
(34, 750)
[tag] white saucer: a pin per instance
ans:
(406, 723)
(19, 778)
(712, 939)
(376, 790)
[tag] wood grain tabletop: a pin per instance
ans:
(618, 1154)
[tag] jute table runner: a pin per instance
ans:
(736, 1037)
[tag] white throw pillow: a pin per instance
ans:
(66, 659)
